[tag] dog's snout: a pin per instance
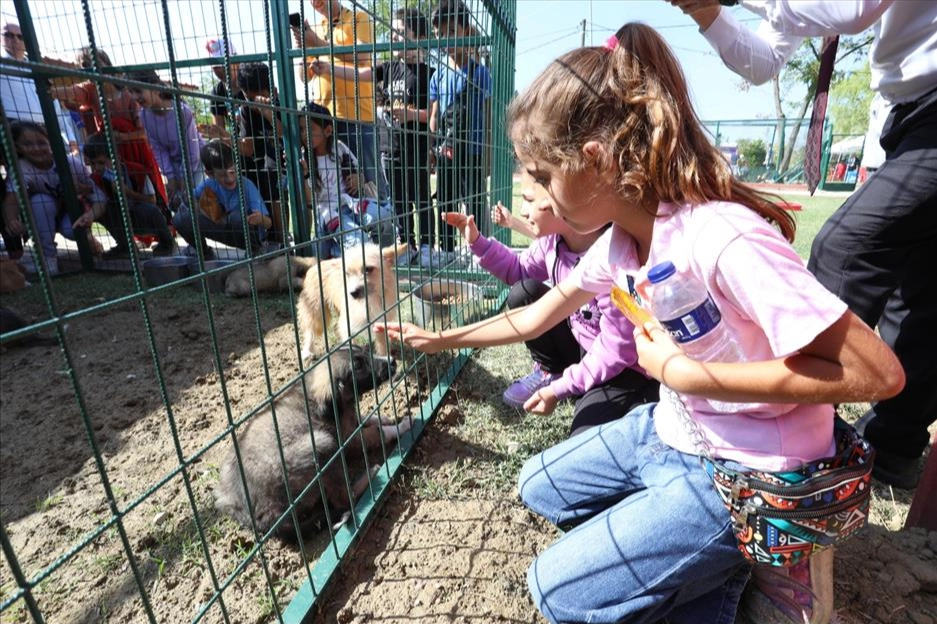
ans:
(358, 293)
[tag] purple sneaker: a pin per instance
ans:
(518, 393)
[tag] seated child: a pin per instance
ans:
(140, 193)
(331, 181)
(219, 211)
(590, 355)
(43, 188)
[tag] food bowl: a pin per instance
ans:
(443, 303)
(165, 269)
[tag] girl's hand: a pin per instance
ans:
(500, 215)
(661, 357)
(412, 336)
(543, 402)
(465, 224)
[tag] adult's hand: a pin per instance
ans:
(703, 12)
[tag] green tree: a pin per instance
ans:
(752, 152)
(849, 102)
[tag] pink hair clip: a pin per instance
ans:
(611, 43)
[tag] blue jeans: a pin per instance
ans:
(653, 541)
(361, 138)
(353, 228)
(49, 219)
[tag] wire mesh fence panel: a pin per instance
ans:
(214, 202)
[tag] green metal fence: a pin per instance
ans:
(113, 435)
(780, 146)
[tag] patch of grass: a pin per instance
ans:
(49, 501)
(283, 589)
(108, 563)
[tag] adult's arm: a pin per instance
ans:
(757, 56)
(818, 18)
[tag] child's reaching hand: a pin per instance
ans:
(412, 336)
(465, 224)
(500, 215)
(543, 402)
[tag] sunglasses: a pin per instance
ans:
(20, 37)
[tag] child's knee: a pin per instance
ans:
(525, 292)
(535, 487)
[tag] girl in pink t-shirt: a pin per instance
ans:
(610, 134)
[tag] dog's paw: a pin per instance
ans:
(341, 522)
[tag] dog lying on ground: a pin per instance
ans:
(11, 321)
(270, 276)
(366, 280)
(352, 374)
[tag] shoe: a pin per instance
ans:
(169, 249)
(896, 470)
(518, 393)
(116, 252)
(207, 254)
(800, 594)
(891, 468)
(270, 246)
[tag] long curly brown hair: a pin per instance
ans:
(634, 101)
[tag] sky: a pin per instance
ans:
(131, 31)
(548, 28)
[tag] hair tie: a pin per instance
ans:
(611, 43)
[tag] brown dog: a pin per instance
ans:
(359, 287)
(12, 277)
(270, 276)
(330, 385)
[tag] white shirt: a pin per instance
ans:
(332, 193)
(904, 51)
(21, 102)
(18, 94)
(756, 56)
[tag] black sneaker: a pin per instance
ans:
(116, 252)
(168, 249)
(896, 470)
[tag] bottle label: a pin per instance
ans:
(695, 323)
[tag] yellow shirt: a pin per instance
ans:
(340, 96)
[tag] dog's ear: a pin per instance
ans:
(390, 253)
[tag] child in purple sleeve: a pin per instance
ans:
(159, 120)
(591, 355)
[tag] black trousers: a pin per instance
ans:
(557, 349)
(145, 218)
(878, 253)
(459, 180)
(409, 188)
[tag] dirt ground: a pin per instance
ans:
(451, 543)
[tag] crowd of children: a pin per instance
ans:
(159, 147)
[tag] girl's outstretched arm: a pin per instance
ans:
(846, 362)
(519, 324)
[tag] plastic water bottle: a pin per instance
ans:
(684, 307)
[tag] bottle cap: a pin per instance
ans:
(660, 272)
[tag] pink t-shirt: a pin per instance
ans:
(771, 305)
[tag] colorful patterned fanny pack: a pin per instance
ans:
(780, 519)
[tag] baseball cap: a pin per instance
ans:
(216, 46)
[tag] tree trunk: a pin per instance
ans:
(792, 140)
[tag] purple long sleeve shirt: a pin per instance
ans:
(164, 139)
(599, 327)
